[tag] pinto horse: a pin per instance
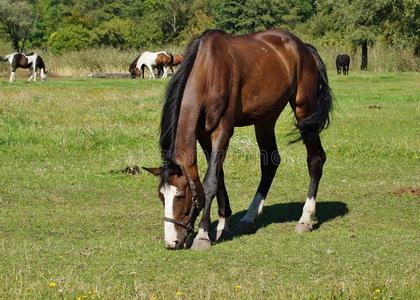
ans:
(30, 61)
(150, 60)
(227, 81)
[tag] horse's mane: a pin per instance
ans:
(171, 107)
(134, 63)
(173, 98)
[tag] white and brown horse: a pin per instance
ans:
(31, 61)
(151, 60)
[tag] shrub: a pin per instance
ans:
(70, 37)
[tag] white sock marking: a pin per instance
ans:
(222, 224)
(308, 211)
(255, 208)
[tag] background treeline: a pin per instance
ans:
(62, 26)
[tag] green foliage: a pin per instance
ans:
(117, 33)
(70, 37)
(149, 32)
(152, 23)
(16, 20)
(197, 25)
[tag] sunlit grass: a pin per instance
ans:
(70, 229)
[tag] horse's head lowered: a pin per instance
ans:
(180, 200)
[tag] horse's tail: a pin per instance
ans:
(173, 98)
(320, 119)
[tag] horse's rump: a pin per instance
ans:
(252, 75)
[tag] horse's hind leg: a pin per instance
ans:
(12, 76)
(269, 162)
(316, 159)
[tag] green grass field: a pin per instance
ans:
(71, 229)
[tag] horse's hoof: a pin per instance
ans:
(246, 227)
(201, 245)
(303, 227)
(223, 235)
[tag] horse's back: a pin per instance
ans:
(262, 70)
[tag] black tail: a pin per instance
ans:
(320, 119)
(173, 98)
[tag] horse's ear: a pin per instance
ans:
(154, 171)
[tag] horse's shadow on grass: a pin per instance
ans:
(287, 212)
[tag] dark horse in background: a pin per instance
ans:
(227, 81)
(342, 62)
(31, 61)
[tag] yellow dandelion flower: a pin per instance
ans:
(237, 288)
(153, 298)
(179, 293)
(52, 284)
(377, 291)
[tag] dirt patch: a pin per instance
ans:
(412, 191)
(374, 106)
(130, 170)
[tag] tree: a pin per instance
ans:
(70, 37)
(16, 22)
(117, 33)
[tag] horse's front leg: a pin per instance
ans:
(152, 74)
(165, 72)
(223, 203)
(219, 140)
(32, 75)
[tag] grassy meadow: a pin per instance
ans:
(71, 229)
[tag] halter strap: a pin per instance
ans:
(189, 226)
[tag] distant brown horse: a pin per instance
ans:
(227, 81)
(176, 60)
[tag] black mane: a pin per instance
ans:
(171, 107)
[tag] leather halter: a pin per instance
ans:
(195, 209)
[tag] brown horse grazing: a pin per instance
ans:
(227, 81)
(176, 60)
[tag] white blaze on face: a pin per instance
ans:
(171, 234)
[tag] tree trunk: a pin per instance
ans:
(15, 41)
(364, 64)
